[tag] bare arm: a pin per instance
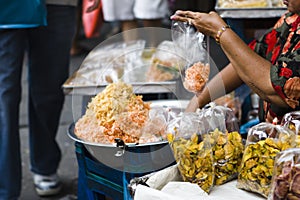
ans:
(224, 82)
(251, 68)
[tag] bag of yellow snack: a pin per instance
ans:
(285, 183)
(291, 120)
(191, 151)
(264, 142)
(227, 146)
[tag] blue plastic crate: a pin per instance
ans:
(96, 180)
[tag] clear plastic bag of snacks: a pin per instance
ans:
(165, 63)
(233, 102)
(227, 147)
(292, 121)
(194, 47)
(286, 176)
(264, 142)
(191, 150)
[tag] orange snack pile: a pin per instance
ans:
(116, 112)
(196, 77)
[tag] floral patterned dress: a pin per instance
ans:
(281, 46)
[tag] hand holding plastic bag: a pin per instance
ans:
(193, 46)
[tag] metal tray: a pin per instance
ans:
(130, 63)
(138, 87)
(131, 157)
(251, 13)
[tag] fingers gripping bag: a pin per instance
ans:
(191, 151)
(291, 120)
(193, 46)
(264, 142)
(285, 183)
(227, 147)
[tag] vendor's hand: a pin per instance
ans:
(206, 23)
(94, 6)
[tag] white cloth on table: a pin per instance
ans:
(175, 190)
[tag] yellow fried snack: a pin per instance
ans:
(194, 160)
(196, 164)
(292, 127)
(227, 151)
(258, 162)
(243, 3)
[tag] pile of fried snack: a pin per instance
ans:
(196, 77)
(117, 112)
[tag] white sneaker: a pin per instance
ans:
(47, 185)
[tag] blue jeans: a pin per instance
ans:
(48, 50)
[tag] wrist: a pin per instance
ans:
(220, 33)
(200, 102)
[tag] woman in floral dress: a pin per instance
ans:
(270, 66)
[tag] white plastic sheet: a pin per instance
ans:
(172, 191)
(187, 191)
